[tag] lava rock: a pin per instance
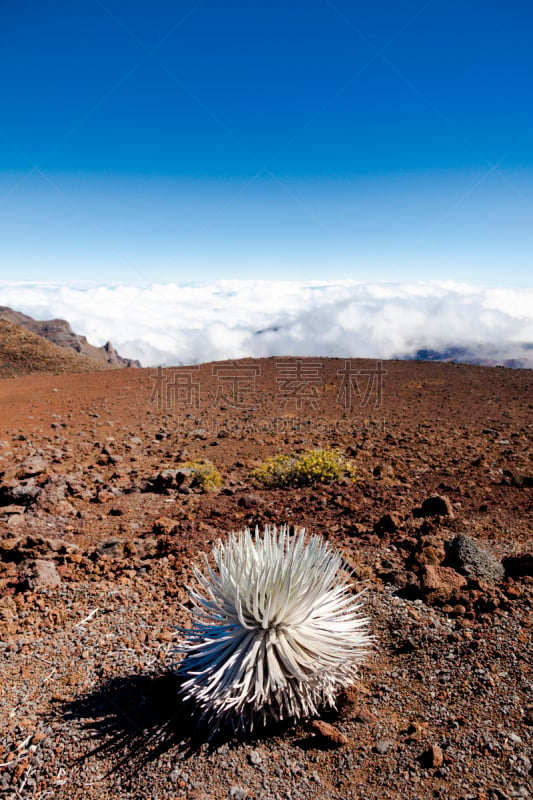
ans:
(365, 717)
(389, 523)
(465, 556)
(169, 479)
(441, 581)
(382, 470)
(39, 573)
(53, 492)
(435, 506)
(329, 735)
(23, 494)
(111, 548)
(26, 548)
(432, 757)
(33, 465)
(255, 758)
(164, 526)
(518, 566)
(250, 500)
(347, 702)
(383, 746)
(236, 793)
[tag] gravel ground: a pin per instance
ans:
(96, 546)
(441, 710)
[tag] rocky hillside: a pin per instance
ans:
(25, 353)
(59, 332)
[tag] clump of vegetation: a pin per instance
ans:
(304, 469)
(275, 632)
(205, 475)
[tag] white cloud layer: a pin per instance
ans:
(196, 322)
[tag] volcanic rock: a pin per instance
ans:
(110, 548)
(19, 493)
(517, 566)
(389, 523)
(32, 466)
(465, 556)
(329, 734)
(250, 500)
(39, 573)
(442, 581)
(433, 757)
(435, 506)
(169, 479)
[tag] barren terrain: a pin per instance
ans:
(98, 530)
(23, 352)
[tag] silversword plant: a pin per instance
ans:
(276, 630)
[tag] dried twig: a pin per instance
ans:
(23, 783)
(87, 618)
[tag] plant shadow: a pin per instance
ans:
(137, 718)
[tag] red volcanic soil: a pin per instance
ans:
(98, 531)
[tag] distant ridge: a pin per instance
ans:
(484, 356)
(59, 332)
(25, 353)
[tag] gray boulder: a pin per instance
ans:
(465, 556)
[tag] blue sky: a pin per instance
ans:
(178, 141)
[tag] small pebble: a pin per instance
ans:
(236, 793)
(383, 746)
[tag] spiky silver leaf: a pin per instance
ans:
(276, 630)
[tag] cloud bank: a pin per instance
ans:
(187, 323)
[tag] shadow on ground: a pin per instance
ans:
(138, 718)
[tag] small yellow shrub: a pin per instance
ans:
(314, 466)
(205, 475)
